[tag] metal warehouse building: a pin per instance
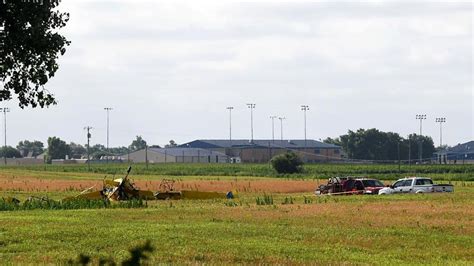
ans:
(259, 151)
(459, 154)
(176, 155)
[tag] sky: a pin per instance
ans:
(169, 69)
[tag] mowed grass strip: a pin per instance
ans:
(398, 229)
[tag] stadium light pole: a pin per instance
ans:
(5, 111)
(421, 118)
(273, 127)
(304, 108)
(230, 108)
(108, 109)
(281, 127)
(440, 120)
(251, 106)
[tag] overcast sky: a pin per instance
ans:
(170, 69)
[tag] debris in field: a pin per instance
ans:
(123, 189)
(11, 200)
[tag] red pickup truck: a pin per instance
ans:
(350, 185)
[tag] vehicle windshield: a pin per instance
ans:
(372, 183)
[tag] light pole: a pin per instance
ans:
(440, 120)
(5, 111)
(108, 109)
(304, 108)
(281, 128)
(251, 106)
(230, 123)
(421, 118)
(273, 127)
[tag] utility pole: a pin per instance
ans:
(304, 108)
(108, 109)
(88, 128)
(273, 127)
(251, 106)
(440, 120)
(421, 118)
(230, 108)
(281, 128)
(5, 111)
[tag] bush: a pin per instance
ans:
(288, 163)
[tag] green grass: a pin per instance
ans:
(382, 171)
(255, 228)
(398, 229)
(45, 203)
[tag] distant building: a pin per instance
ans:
(176, 155)
(461, 153)
(21, 161)
(261, 151)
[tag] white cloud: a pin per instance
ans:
(169, 69)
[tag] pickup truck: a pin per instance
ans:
(415, 185)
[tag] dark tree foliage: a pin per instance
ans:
(31, 48)
(77, 151)
(138, 144)
(413, 142)
(97, 151)
(10, 152)
(57, 148)
(34, 147)
(372, 144)
(287, 163)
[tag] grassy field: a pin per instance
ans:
(401, 229)
(295, 228)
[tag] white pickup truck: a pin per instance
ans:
(415, 185)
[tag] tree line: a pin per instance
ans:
(59, 149)
(373, 144)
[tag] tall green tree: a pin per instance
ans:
(414, 141)
(10, 152)
(26, 147)
(138, 144)
(31, 45)
(373, 144)
(77, 151)
(97, 151)
(57, 148)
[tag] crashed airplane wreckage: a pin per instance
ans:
(123, 189)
